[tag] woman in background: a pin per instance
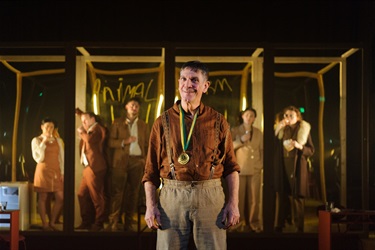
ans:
(48, 152)
(291, 169)
(248, 146)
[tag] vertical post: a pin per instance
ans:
(15, 126)
(70, 137)
(14, 229)
(324, 230)
(268, 138)
(170, 75)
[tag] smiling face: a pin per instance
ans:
(192, 85)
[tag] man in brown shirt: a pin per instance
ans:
(190, 150)
(91, 190)
(129, 140)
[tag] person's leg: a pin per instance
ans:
(206, 213)
(59, 200)
(95, 185)
(242, 199)
(174, 206)
(118, 179)
(135, 173)
(246, 216)
(42, 199)
(299, 209)
(48, 205)
(255, 221)
(58, 221)
(282, 210)
(84, 200)
(288, 211)
(289, 184)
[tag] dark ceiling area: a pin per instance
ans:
(164, 21)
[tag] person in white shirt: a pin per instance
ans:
(129, 140)
(48, 152)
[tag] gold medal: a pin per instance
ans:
(183, 158)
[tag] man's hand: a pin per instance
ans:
(152, 218)
(231, 215)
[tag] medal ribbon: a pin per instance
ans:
(185, 142)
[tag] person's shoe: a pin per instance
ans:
(233, 230)
(54, 228)
(83, 227)
(278, 229)
(47, 228)
(129, 228)
(58, 221)
(112, 228)
(289, 220)
(96, 228)
(256, 230)
(246, 229)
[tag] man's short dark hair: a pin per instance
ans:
(195, 66)
(135, 99)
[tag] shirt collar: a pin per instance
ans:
(91, 127)
(177, 103)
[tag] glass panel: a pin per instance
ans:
(112, 76)
(314, 81)
(236, 84)
(32, 87)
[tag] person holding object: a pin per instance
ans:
(291, 168)
(286, 216)
(91, 194)
(248, 145)
(190, 149)
(48, 152)
(129, 139)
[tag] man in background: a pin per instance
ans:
(129, 140)
(91, 194)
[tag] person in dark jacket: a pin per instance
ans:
(294, 147)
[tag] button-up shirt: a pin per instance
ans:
(201, 148)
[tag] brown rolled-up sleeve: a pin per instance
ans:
(152, 166)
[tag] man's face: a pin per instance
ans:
(132, 108)
(87, 121)
(192, 85)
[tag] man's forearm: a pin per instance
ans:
(233, 181)
(150, 192)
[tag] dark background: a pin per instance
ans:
(324, 24)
